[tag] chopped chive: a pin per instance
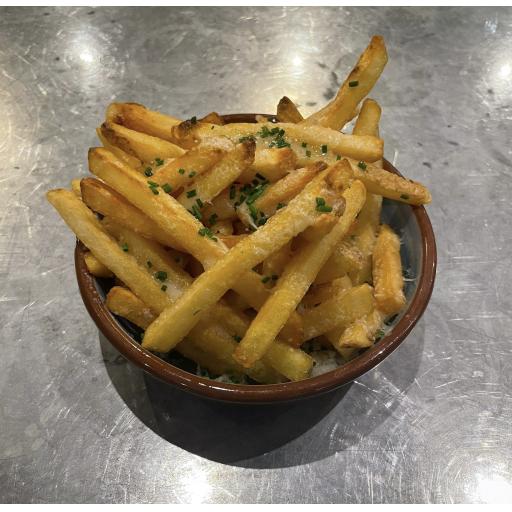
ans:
(149, 264)
(390, 320)
(362, 165)
(304, 144)
(192, 174)
(320, 201)
(232, 192)
(161, 275)
(148, 172)
(246, 137)
(241, 199)
(338, 157)
(195, 212)
(379, 335)
(324, 149)
(167, 188)
(404, 197)
(275, 277)
(237, 338)
(266, 279)
(255, 181)
(181, 171)
(193, 120)
(254, 212)
(308, 153)
(262, 221)
(191, 193)
(159, 161)
(199, 203)
(213, 219)
(124, 247)
(260, 176)
(206, 232)
(324, 209)
(154, 190)
(163, 287)
(280, 205)
(152, 184)
(354, 83)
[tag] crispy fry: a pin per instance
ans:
(319, 229)
(322, 292)
(95, 267)
(222, 207)
(102, 199)
(128, 159)
(123, 302)
(345, 258)
(212, 118)
(140, 145)
(274, 265)
(358, 84)
(231, 240)
(181, 171)
(224, 228)
(295, 281)
(287, 111)
(359, 147)
(387, 271)
(209, 185)
(367, 122)
(340, 311)
(361, 333)
(138, 117)
(88, 229)
(272, 163)
(211, 285)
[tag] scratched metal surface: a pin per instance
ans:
(432, 423)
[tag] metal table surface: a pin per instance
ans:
(430, 424)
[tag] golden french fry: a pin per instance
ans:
(222, 207)
(212, 118)
(75, 187)
(138, 117)
(123, 302)
(212, 284)
(141, 145)
(319, 229)
(287, 111)
(367, 122)
(128, 159)
(95, 267)
(271, 163)
(339, 311)
(319, 141)
(151, 255)
(361, 333)
(209, 185)
(181, 171)
(358, 84)
(295, 281)
(100, 198)
(345, 258)
(387, 272)
(322, 292)
(88, 229)
(231, 240)
(274, 265)
(172, 219)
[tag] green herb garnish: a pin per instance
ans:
(192, 174)
(149, 264)
(405, 197)
(148, 172)
(213, 219)
(232, 192)
(159, 161)
(237, 338)
(308, 153)
(167, 188)
(280, 205)
(124, 247)
(362, 165)
(324, 149)
(161, 275)
(354, 83)
(181, 171)
(304, 144)
(266, 279)
(199, 202)
(163, 287)
(192, 193)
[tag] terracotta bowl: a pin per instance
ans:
(418, 252)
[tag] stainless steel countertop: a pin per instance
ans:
(431, 423)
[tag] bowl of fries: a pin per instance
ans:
(252, 258)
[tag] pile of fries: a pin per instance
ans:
(235, 244)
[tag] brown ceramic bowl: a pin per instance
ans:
(418, 251)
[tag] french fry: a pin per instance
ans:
(181, 171)
(358, 147)
(319, 229)
(75, 187)
(212, 118)
(287, 111)
(212, 284)
(274, 265)
(138, 117)
(345, 258)
(88, 229)
(123, 302)
(223, 228)
(210, 184)
(367, 122)
(128, 159)
(152, 256)
(295, 281)
(176, 222)
(100, 198)
(358, 84)
(222, 207)
(95, 267)
(145, 147)
(387, 272)
(272, 163)
(361, 333)
(339, 311)
(322, 292)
